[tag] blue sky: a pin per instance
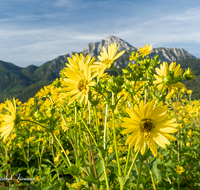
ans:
(37, 31)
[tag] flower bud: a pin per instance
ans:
(188, 74)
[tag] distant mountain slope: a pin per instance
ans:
(194, 84)
(23, 83)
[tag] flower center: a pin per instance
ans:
(106, 61)
(146, 125)
(82, 84)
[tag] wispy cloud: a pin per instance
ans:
(40, 31)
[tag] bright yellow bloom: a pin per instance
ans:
(185, 120)
(67, 152)
(148, 125)
(48, 90)
(38, 178)
(76, 185)
(183, 89)
(188, 144)
(180, 170)
(189, 91)
(30, 139)
(9, 121)
(146, 50)
(57, 132)
(77, 83)
(107, 58)
(19, 145)
(76, 62)
(190, 132)
(56, 159)
(110, 150)
(133, 57)
(188, 74)
(164, 76)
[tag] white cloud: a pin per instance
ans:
(24, 45)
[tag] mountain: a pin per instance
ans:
(23, 83)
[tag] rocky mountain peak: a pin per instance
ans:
(171, 54)
(93, 49)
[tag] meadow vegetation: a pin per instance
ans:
(135, 129)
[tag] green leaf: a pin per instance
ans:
(155, 168)
(15, 171)
(111, 157)
(44, 165)
(31, 187)
(99, 169)
(73, 170)
(123, 179)
(170, 164)
(94, 181)
(79, 162)
(23, 160)
(102, 151)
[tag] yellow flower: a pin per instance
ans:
(56, 159)
(48, 90)
(13, 136)
(30, 139)
(76, 62)
(164, 77)
(67, 152)
(146, 50)
(188, 74)
(38, 178)
(76, 185)
(100, 119)
(189, 91)
(9, 121)
(78, 83)
(180, 170)
(133, 57)
(188, 144)
(148, 125)
(107, 58)
(57, 132)
(190, 132)
(19, 145)
(185, 120)
(183, 89)
(110, 150)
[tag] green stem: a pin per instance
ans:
(133, 163)
(88, 131)
(104, 165)
(115, 138)
(35, 123)
(152, 179)
(178, 182)
(105, 172)
(68, 161)
(61, 113)
(116, 70)
(105, 127)
(97, 125)
(76, 135)
(139, 174)
(127, 160)
(6, 157)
